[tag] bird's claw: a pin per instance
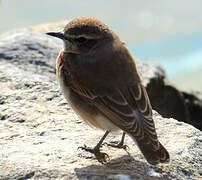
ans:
(101, 157)
(85, 148)
(118, 145)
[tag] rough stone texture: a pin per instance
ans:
(40, 134)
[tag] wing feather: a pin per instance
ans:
(128, 108)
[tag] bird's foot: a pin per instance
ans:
(100, 156)
(117, 144)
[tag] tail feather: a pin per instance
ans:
(152, 153)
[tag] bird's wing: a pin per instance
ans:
(128, 108)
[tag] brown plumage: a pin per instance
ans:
(99, 79)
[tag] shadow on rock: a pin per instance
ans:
(125, 167)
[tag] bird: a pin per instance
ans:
(98, 77)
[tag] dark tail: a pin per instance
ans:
(154, 154)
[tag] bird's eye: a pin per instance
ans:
(81, 40)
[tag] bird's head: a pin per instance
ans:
(84, 34)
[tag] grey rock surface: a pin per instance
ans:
(40, 134)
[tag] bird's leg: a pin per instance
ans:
(120, 144)
(101, 157)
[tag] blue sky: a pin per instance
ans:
(177, 54)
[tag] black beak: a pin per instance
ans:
(56, 34)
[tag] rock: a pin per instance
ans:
(31, 52)
(40, 134)
(193, 101)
